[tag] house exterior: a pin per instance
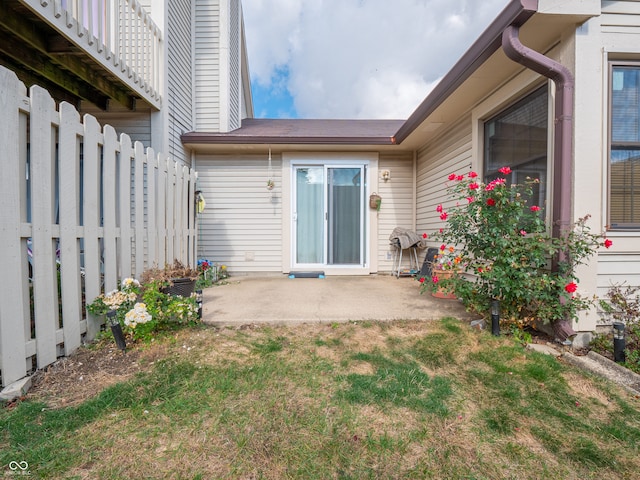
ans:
(549, 89)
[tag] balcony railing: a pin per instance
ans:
(119, 34)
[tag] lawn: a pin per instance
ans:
(347, 401)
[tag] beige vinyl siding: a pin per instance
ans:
(621, 268)
(180, 80)
(136, 124)
(241, 226)
(620, 16)
(397, 208)
(450, 153)
(207, 59)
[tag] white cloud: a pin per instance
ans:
(360, 58)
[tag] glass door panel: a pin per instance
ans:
(344, 196)
(309, 215)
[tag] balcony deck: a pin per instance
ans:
(96, 50)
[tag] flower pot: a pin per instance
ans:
(443, 292)
(182, 287)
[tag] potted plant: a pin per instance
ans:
(444, 267)
(173, 279)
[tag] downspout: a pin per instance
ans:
(563, 122)
(563, 137)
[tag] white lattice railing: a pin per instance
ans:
(119, 34)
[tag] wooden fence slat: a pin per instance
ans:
(179, 215)
(152, 234)
(69, 167)
(138, 195)
(91, 216)
(161, 218)
(171, 232)
(42, 159)
(109, 149)
(124, 201)
(12, 258)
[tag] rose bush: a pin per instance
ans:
(504, 251)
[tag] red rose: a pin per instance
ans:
(439, 209)
(535, 208)
(421, 280)
(444, 216)
(473, 174)
(424, 235)
(452, 176)
(571, 287)
(607, 243)
(491, 202)
(505, 170)
(474, 186)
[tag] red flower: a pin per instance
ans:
(452, 176)
(480, 270)
(421, 280)
(571, 287)
(424, 235)
(491, 202)
(505, 170)
(460, 177)
(470, 199)
(474, 186)
(535, 208)
(523, 232)
(444, 216)
(443, 247)
(607, 243)
(439, 209)
(473, 174)
(434, 279)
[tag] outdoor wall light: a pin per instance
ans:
(385, 175)
(495, 317)
(618, 342)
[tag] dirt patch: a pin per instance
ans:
(71, 380)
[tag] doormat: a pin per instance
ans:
(306, 274)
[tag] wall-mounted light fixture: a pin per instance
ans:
(385, 175)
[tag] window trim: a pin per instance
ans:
(626, 227)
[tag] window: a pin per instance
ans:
(624, 153)
(517, 138)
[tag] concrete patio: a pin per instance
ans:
(281, 300)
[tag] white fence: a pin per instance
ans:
(80, 209)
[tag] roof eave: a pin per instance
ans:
(193, 138)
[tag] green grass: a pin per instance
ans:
(346, 401)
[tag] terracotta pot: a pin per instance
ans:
(441, 292)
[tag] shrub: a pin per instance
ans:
(506, 253)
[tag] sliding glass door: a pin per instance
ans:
(329, 216)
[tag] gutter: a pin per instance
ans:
(563, 122)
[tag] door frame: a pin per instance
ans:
(370, 160)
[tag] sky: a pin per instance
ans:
(355, 59)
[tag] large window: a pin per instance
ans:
(517, 138)
(624, 155)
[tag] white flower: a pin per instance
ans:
(130, 282)
(138, 314)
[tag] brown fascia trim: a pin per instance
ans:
(517, 12)
(204, 138)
